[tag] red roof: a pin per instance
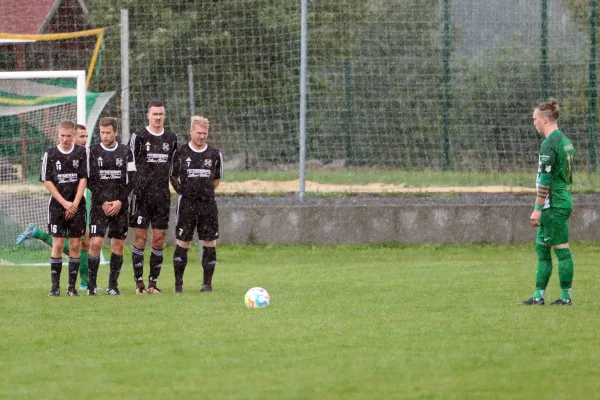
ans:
(30, 17)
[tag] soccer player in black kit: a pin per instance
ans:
(197, 171)
(111, 168)
(64, 173)
(153, 148)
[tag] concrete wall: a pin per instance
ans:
(381, 223)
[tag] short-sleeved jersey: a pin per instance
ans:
(107, 171)
(556, 160)
(153, 159)
(64, 169)
(196, 171)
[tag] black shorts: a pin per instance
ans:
(58, 225)
(200, 215)
(100, 222)
(147, 208)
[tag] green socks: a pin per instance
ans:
(544, 270)
(84, 272)
(43, 236)
(565, 272)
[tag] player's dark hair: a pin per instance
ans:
(66, 124)
(79, 126)
(550, 109)
(109, 121)
(155, 103)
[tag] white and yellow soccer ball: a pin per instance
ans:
(257, 298)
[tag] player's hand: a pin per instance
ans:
(106, 207)
(69, 214)
(115, 208)
(534, 218)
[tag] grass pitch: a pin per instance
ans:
(345, 322)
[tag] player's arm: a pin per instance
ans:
(544, 177)
(132, 177)
(49, 185)
(543, 183)
(80, 190)
(218, 170)
(174, 175)
(47, 177)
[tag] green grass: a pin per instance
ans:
(345, 322)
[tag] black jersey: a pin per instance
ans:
(153, 159)
(196, 171)
(108, 172)
(64, 169)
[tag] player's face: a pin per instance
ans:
(539, 121)
(65, 137)
(198, 134)
(81, 137)
(108, 135)
(156, 117)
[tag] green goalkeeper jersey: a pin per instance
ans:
(555, 169)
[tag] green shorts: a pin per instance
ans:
(554, 226)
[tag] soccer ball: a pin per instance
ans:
(257, 298)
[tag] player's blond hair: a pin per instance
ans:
(67, 124)
(197, 120)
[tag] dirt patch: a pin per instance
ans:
(261, 187)
(266, 187)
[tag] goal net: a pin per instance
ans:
(31, 106)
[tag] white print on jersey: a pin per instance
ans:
(198, 173)
(67, 178)
(110, 174)
(157, 158)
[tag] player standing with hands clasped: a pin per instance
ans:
(197, 171)
(64, 173)
(553, 205)
(153, 148)
(111, 169)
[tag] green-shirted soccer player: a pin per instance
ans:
(553, 205)
(33, 232)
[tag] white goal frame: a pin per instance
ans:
(78, 74)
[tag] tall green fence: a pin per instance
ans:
(408, 84)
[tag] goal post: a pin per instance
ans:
(32, 103)
(81, 88)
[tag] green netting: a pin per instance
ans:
(30, 111)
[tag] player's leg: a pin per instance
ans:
(156, 259)
(84, 274)
(33, 232)
(544, 265)
(117, 233)
(98, 226)
(94, 263)
(76, 226)
(160, 223)
(85, 245)
(560, 232)
(57, 227)
(139, 221)
(208, 232)
(185, 224)
(56, 265)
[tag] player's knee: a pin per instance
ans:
(183, 244)
(544, 252)
(117, 246)
(96, 245)
(209, 243)
(158, 239)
